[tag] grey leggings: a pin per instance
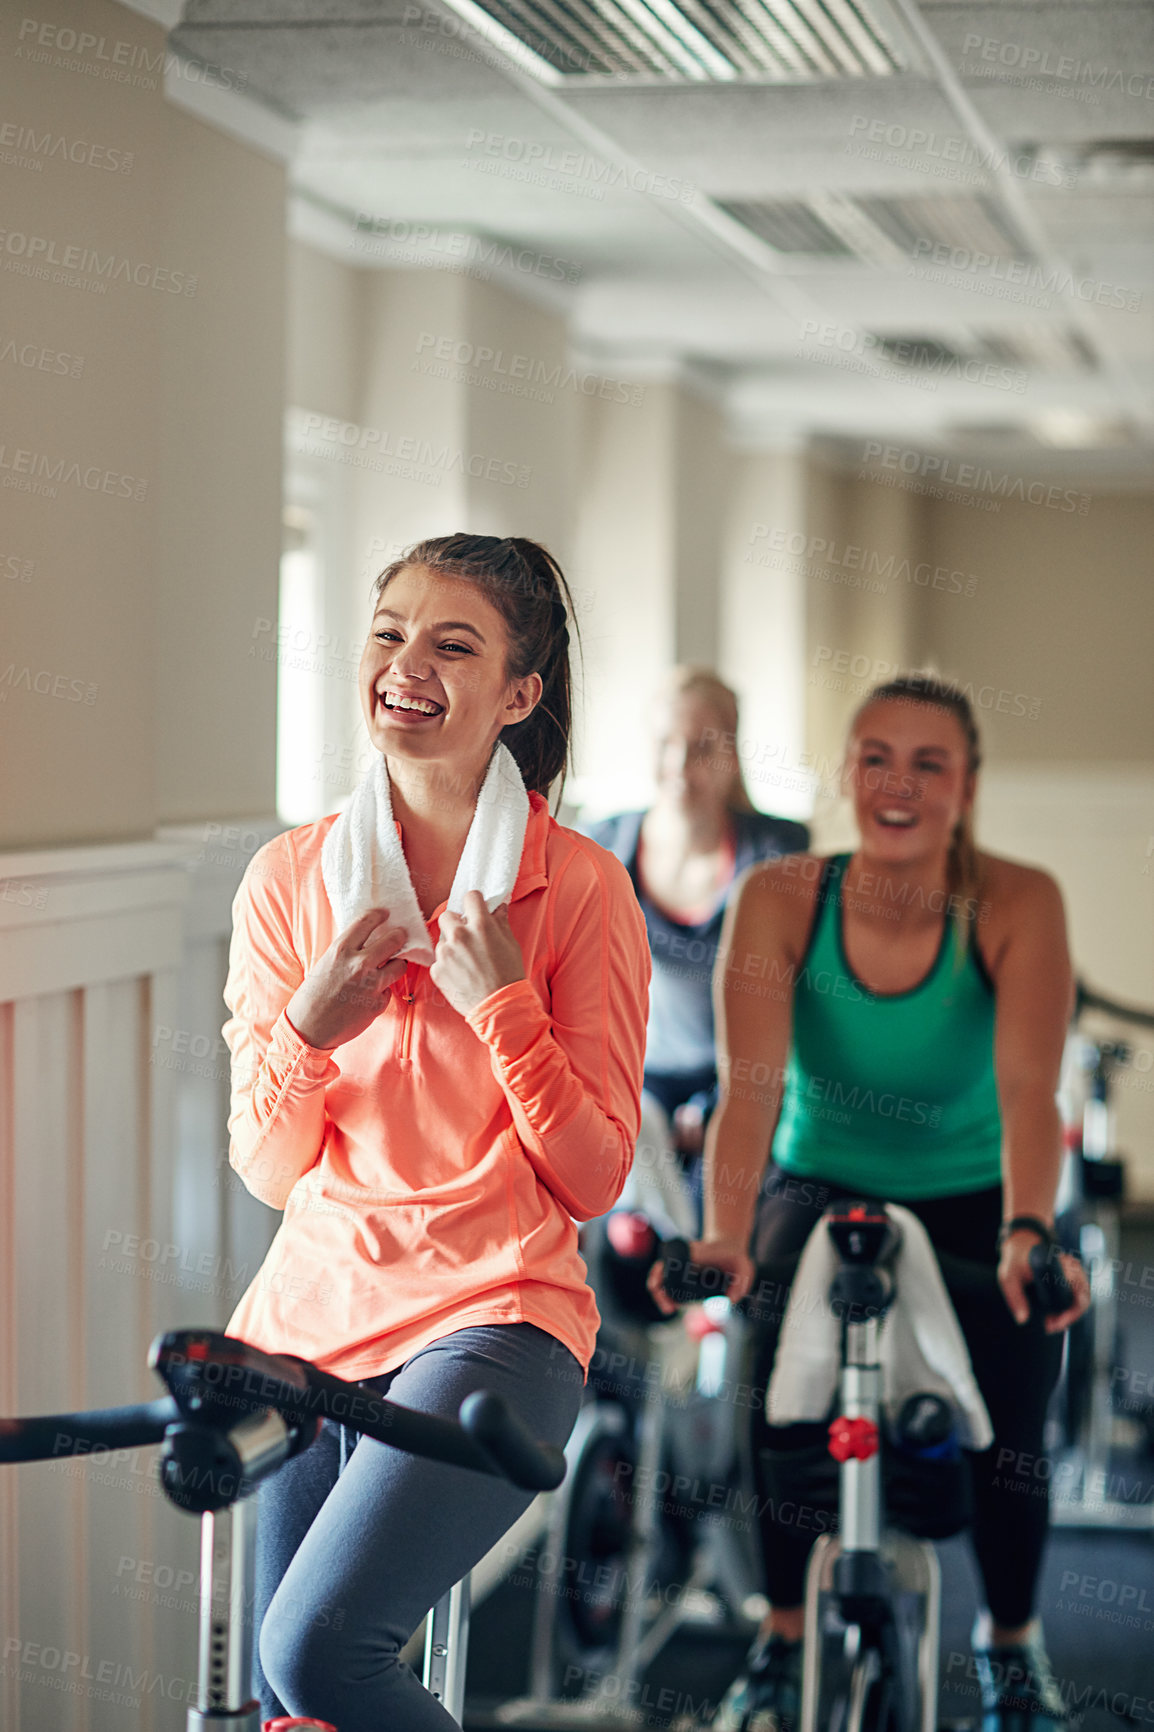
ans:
(357, 1541)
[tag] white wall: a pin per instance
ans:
(140, 583)
(1058, 639)
(222, 365)
(129, 701)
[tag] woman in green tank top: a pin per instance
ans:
(891, 1024)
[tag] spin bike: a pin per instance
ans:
(625, 1565)
(1091, 1202)
(872, 1596)
(233, 1415)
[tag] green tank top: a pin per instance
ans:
(894, 1092)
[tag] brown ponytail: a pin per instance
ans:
(526, 586)
(963, 873)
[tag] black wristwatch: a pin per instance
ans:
(1026, 1223)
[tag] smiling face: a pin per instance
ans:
(433, 679)
(907, 770)
(696, 761)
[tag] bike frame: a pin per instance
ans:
(1088, 1503)
(865, 1558)
(224, 1701)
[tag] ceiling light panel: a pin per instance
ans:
(694, 41)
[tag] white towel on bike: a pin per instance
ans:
(364, 866)
(921, 1348)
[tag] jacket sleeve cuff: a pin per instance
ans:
(510, 1020)
(290, 1052)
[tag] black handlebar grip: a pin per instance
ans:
(49, 1436)
(687, 1282)
(501, 1434)
(1052, 1292)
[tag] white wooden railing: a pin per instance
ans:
(119, 1217)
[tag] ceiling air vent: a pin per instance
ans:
(879, 231)
(974, 224)
(925, 352)
(789, 227)
(1095, 164)
(1042, 346)
(1023, 350)
(695, 41)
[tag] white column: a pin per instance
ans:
(624, 563)
(703, 473)
(762, 635)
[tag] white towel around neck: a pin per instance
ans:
(921, 1347)
(364, 866)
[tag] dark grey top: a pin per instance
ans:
(679, 1037)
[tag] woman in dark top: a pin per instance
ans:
(683, 855)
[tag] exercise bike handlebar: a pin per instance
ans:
(687, 1282)
(218, 1381)
(1085, 998)
(489, 1437)
(48, 1435)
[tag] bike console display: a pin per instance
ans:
(215, 1377)
(237, 1420)
(862, 1232)
(866, 1240)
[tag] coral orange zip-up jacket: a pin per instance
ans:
(430, 1170)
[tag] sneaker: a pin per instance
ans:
(1019, 1690)
(766, 1697)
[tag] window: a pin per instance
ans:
(300, 672)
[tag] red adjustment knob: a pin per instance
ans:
(283, 1722)
(630, 1234)
(856, 1438)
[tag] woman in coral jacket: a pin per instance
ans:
(438, 1007)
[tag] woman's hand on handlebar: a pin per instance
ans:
(1015, 1278)
(349, 986)
(724, 1254)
